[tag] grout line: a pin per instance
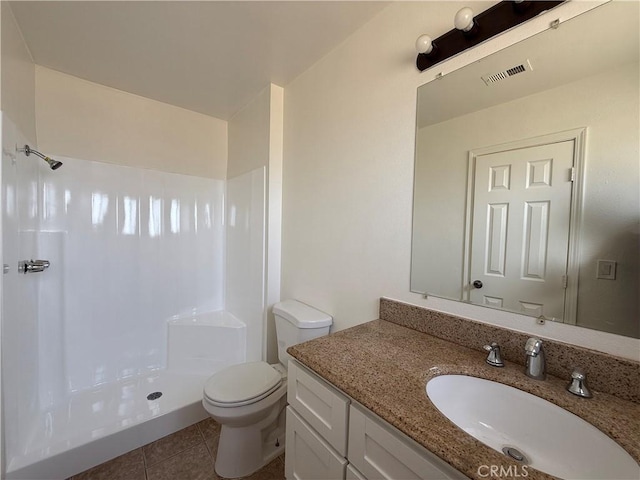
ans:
(200, 430)
(144, 463)
(215, 438)
(173, 454)
(213, 458)
(144, 454)
(144, 457)
(179, 453)
(204, 439)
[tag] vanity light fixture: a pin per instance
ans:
(463, 21)
(425, 46)
(471, 30)
(521, 5)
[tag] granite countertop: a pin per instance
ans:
(385, 367)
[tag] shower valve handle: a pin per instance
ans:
(33, 266)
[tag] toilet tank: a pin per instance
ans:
(297, 322)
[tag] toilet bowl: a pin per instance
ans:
(249, 400)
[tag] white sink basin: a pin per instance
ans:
(551, 439)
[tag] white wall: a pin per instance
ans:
(348, 166)
(274, 217)
(348, 171)
(81, 119)
(253, 275)
(249, 136)
(18, 77)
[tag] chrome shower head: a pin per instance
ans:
(53, 164)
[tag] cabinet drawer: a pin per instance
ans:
(309, 457)
(379, 451)
(322, 406)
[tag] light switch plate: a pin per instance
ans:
(606, 269)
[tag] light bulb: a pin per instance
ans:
(464, 19)
(424, 44)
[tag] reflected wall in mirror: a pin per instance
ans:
(527, 176)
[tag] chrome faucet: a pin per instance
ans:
(494, 359)
(578, 384)
(535, 359)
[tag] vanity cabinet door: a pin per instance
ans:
(308, 456)
(380, 452)
(320, 405)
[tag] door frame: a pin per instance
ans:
(579, 138)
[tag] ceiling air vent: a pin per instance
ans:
(509, 72)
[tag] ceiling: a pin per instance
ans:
(211, 57)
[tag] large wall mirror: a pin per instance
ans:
(527, 176)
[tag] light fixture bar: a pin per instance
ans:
(502, 16)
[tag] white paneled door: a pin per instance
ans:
(520, 225)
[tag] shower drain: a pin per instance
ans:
(154, 395)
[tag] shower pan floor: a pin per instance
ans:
(107, 421)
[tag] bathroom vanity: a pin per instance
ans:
(358, 407)
(331, 436)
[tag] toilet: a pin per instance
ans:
(249, 399)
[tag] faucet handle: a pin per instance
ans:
(533, 346)
(536, 364)
(494, 358)
(578, 384)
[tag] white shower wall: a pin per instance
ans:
(128, 248)
(19, 293)
(245, 255)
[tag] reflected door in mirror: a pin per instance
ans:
(520, 228)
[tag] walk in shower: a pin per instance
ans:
(154, 282)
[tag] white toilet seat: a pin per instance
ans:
(242, 384)
(249, 400)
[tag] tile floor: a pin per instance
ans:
(188, 454)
